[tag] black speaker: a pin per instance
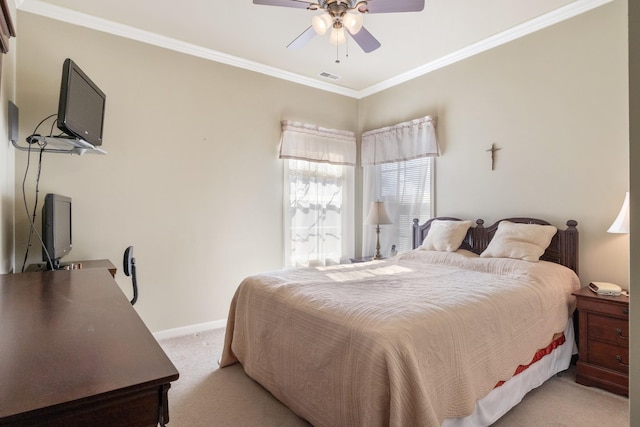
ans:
(13, 122)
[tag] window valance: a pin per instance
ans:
(404, 141)
(317, 144)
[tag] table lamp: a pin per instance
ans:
(621, 224)
(378, 216)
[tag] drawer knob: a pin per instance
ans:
(619, 359)
(625, 311)
(619, 333)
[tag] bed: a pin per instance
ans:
(452, 333)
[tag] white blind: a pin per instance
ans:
(313, 143)
(406, 187)
(404, 141)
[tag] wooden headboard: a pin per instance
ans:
(563, 248)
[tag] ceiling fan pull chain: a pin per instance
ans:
(347, 46)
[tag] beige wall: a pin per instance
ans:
(7, 173)
(556, 103)
(191, 179)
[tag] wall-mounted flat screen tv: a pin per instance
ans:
(81, 105)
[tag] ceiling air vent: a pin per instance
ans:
(329, 76)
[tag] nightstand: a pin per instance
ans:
(361, 259)
(604, 341)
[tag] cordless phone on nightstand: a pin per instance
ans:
(605, 288)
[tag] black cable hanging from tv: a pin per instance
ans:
(31, 218)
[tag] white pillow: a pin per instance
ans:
(445, 235)
(519, 241)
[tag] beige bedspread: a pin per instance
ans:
(402, 342)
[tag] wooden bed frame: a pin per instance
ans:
(563, 248)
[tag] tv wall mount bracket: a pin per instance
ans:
(59, 144)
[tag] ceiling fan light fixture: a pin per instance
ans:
(341, 14)
(321, 23)
(337, 36)
(353, 22)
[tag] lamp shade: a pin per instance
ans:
(621, 224)
(321, 23)
(337, 36)
(378, 214)
(353, 22)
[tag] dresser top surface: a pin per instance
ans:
(66, 335)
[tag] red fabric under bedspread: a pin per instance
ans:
(539, 355)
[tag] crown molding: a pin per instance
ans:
(58, 13)
(543, 21)
(48, 10)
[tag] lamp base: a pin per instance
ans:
(378, 255)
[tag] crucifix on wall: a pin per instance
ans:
(493, 150)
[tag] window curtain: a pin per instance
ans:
(401, 142)
(398, 168)
(318, 194)
(317, 144)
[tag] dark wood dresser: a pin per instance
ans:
(73, 352)
(604, 341)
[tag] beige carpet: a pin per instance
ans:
(205, 395)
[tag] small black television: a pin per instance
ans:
(81, 105)
(56, 229)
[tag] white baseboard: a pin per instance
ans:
(188, 330)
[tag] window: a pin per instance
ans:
(319, 215)
(318, 194)
(398, 170)
(406, 187)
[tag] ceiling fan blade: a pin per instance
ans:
(285, 3)
(365, 40)
(302, 39)
(389, 6)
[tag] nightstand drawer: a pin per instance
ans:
(604, 307)
(609, 356)
(610, 329)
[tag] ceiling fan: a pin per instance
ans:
(341, 14)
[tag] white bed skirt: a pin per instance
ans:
(501, 399)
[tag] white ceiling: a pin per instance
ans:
(255, 37)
